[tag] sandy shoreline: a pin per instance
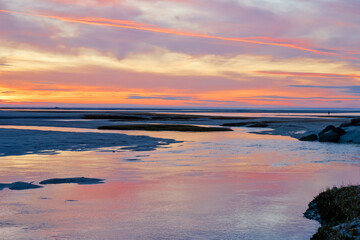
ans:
(295, 127)
(302, 127)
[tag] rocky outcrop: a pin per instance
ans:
(345, 125)
(355, 122)
(346, 133)
(338, 212)
(310, 138)
(327, 129)
(352, 135)
(331, 134)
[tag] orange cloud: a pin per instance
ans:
(145, 27)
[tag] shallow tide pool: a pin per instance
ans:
(222, 185)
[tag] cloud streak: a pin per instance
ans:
(349, 89)
(150, 28)
(304, 74)
(305, 98)
(160, 97)
(177, 98)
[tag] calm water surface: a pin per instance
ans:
(223, 185)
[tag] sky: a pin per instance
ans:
(180, 53)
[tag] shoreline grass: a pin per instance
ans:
(338, 212)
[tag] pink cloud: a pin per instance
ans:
(145, 27)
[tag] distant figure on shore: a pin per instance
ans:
(329, 113)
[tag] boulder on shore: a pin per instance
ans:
(352, 135)
(355, 122)
(310, 138)
(331, 134)
(328, 128)
(345, 125)
(346, 133)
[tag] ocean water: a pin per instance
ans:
(219, 185)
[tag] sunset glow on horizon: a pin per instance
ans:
(193, 53)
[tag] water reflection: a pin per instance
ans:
(226, 185)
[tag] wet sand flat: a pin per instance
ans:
(207, 185)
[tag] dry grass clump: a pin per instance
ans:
(336, 205)
(338, 211)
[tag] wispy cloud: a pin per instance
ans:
(300, 101)
(305, 74)
(43, 83)
(160, 97)
(305, 98)
(52, 89)
(3, 62)
(145, 27)
(179, 98)
(349, 89)
(7, 92)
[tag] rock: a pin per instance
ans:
(311, 138)
(339, 131)
(345, 125)
(337, 210)
(332, 135)
(80, 180)
(352, 135)
(22, 186)
(329, 137)
(355, 122)
(328, 128)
